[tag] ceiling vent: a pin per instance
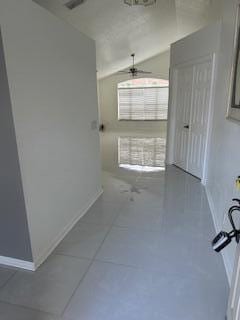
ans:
(72, 4)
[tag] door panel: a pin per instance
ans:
(202, 78)
(194, 83)
(183, 98)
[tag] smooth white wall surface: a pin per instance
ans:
(224, 162)
(13, 219)
(224, 156)
(197, 45)
(159, 65)
(52, 78)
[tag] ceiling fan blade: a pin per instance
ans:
(124, 71)
(144, 72)
(72, 4)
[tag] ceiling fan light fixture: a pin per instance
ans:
(140, 2)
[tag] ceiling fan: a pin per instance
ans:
(72, 4)
(133, 71)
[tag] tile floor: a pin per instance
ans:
(142, 252)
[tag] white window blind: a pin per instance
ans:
(143, 103)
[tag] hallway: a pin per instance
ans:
(141, 252)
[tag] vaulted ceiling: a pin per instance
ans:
(120, 30)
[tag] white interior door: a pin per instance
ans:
(194, 84)
(202, 82)
(234, 300)
(183, 106)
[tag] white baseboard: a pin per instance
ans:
(212, 209)
(42, 257)
(16, 263)
(32, 266)
(226, 260)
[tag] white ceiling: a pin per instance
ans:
(120, 30)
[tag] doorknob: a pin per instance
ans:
(186, 127)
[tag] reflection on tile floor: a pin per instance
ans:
(141, 154)
(142, 252)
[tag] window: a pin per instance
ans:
(143, 99)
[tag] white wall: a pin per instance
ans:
(52, 78)
(224, 162)
(197, 45)
(159, 65)
(13, 219)
(224, 157)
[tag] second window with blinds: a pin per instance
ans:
(143, 99)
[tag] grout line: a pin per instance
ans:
(10, 278)
(142, 269)
(30, 309)
(80, 281)
(75, 290)
(122, 265)
(91, 260)
(94, 259)
(71, 256)
(138, 228)
(93, 223)
(91, 263)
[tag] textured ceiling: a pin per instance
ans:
(120, 30)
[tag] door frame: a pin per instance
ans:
(171, 130)
(234, 290)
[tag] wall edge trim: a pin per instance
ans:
(17, 263)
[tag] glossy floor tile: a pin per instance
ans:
(49, 288)
(133, 247)
(115, 292)
(13, 312)
(131, 153)
(142, 211)
(142, 218)
(102, 213)
(5, 275)
(141, 153)
(142, 252)
(83, 240)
